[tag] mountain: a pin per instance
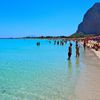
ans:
(91, 21)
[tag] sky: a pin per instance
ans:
(41, 17)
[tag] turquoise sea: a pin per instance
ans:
(31, 72)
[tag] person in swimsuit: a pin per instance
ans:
(70, 51)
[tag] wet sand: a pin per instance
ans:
(88, 85)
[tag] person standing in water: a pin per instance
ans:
(77, 51)
(70, 51)
(84, 44)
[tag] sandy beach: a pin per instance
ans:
(88, 85)
(97, 53)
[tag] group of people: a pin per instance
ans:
(70, 50)
(60, 42)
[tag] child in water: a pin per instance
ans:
(77, 51)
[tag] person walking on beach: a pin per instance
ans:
(70, 51)
(77, 51)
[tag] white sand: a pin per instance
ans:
(88, 85)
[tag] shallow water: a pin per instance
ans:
(31, 72)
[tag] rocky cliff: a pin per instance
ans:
(91, 21)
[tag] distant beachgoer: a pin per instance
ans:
(57, 42)
(77, 51)
(54, 42)
(61, 43)
(38, 43)
(70, 51)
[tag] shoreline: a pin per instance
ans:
(97, 53)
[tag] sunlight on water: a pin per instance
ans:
(31, 72)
